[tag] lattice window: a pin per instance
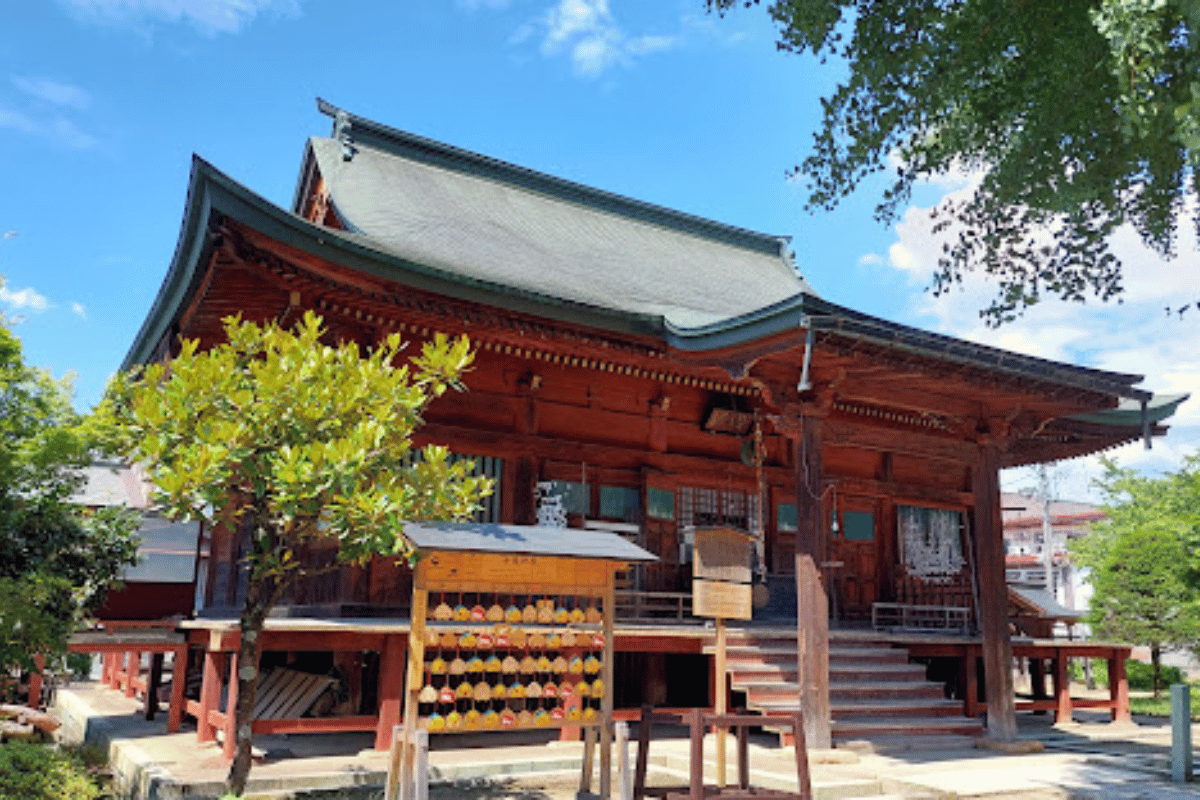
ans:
(713, 508)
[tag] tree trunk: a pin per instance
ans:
(1155, 669)
(261, 595)
(250, 624)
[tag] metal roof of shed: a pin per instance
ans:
(534, 540)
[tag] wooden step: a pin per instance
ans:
(895, 708)
(879, 654)
(867, 727)
(846, 671)
(894, 689)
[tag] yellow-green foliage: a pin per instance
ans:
(36, 772)
(310, 440)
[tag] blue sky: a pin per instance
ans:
(103, 102)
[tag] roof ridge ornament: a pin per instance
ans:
(341, 132)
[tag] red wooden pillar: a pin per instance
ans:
(1118, 687)
(108, 669)
(969, 674)
(178, 679)
(133, 666)
(35, 682)
(231, 695)
(812, 608)
(1062, 688)
(993, 596)
(391, 686)
(210, 696)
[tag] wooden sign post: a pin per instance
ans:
(721, 590)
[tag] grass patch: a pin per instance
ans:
(1161, 706)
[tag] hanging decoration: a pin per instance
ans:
(932, 543)
(551, 513)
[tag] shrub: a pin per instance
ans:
(35, 772)
(1099, 670)
(1141, 675)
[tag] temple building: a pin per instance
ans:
(648, 372)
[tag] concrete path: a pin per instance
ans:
(1092, 761)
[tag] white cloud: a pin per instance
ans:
(53, 92)
(1134, 336)
(78, 309)
(587, 32)
(46, 110)
(870, 260)
(210, 17)
(27, 298)
(51, 126)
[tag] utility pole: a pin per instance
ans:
(1044, 494)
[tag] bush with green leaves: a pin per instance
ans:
(37, 772)
(1141, 675)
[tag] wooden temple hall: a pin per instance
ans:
(648, 373)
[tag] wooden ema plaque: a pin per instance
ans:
(722, 554)
(503, 641)
(722, 600)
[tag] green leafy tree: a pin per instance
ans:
(57, 560)
(1081, 115)
(1139, 566)
(292, 440)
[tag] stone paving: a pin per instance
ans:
(1094, 760)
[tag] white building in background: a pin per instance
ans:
(1029, 558)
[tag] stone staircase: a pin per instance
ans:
(874, 692)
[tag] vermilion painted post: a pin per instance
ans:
(178, 679)
(210, 696)
(1062, 688)
(108, 670)
(1118, 688)
(391, 682)
(35, 682)
(133, 666)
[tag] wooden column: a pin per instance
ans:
(153, 679)
(1037, 680)
(133, 668)
(210, 696)
(108, 670)
(969, 674)
(34, 700)
(812, 611)
(178, 680)
(415, 677)
(391, 684)
(1118, 687)
(1062, 689)
(993, 596)
(609, 609)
